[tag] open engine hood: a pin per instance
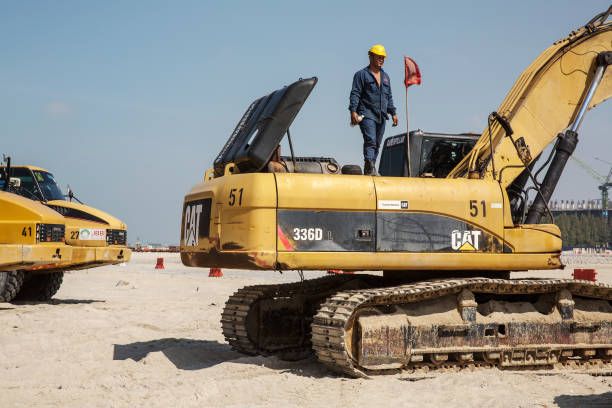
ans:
(262, 127)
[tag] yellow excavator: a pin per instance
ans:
(31, 235)
(447, 221)
(95, 237)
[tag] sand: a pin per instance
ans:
(127, 336)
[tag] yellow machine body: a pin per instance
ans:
(260, 220)
(89, 237)
(314, 221)
(96, 237)
(22, 243)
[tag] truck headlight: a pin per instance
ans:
(116, 237)
(50, 232)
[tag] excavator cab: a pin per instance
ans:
(426, 154)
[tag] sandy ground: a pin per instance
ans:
(127, 336)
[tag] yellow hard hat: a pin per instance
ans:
(378, 49)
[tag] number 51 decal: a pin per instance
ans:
(235, 197)
(474, 208)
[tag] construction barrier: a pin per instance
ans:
(160, 263)
(215, 273)
(585, 274)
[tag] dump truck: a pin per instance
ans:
(96, 238)
(446, 222)
(31, 236)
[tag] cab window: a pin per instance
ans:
(439, 156)
(47, 184)
(28, 188)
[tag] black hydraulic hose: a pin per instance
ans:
(491, 147)
(565, 148)
(598, 20)
(550, 156)
(509, 132)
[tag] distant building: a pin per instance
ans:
(584, 224)
(591, 207)
(154, 247)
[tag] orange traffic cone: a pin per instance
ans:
(160, 263)
(215, 273)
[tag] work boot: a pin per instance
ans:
(369, 168)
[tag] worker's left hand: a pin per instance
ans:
(394, 120)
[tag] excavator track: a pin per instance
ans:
(347, 342)
(276, 319)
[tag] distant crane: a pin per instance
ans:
(605, 181)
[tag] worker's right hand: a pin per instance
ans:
(354, 118)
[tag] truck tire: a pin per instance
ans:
(41, 287)
(10, 284)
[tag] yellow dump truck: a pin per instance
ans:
(31, 237)
(95, 237)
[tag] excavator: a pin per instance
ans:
(31, 235)
(95, 237)
(446, 222)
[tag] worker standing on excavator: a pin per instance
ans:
(370, 103)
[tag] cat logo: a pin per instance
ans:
(465, 240)
(196, 221)
(191, 228)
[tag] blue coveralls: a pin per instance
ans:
(375, 103)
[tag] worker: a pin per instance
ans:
(370, 104)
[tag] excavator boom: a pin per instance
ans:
(546, 99)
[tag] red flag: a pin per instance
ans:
(413, 75)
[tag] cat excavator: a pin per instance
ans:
(95, 237)
(446, 222)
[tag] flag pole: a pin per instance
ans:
(407, 135)
(412, 77)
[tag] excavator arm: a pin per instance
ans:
(551, 95)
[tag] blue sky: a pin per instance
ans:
(129, 102)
